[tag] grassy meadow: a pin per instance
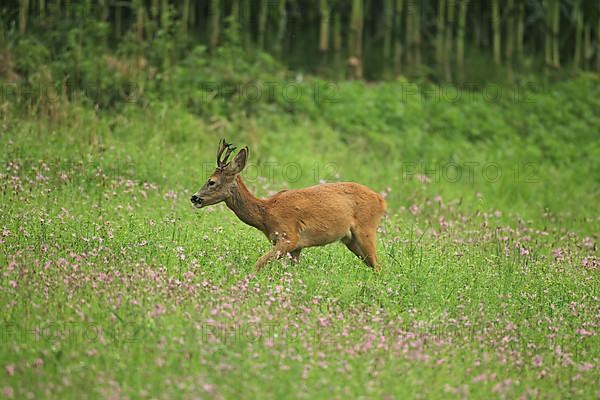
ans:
(114, 286)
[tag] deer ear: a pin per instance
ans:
(239, 162)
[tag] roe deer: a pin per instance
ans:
(295, 219)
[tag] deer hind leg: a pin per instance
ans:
(363, 244)
(284, 246)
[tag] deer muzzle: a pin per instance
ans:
(196, 201)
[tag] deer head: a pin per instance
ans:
(220, 184)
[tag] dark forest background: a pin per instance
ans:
(440, 40)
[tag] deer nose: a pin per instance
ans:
(195, 199)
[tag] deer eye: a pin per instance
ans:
(211, 183)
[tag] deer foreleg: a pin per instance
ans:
(264, 259)
(282, 248)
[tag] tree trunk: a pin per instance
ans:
(598, 46)
(578, 16)
(460, 38)
(213, 24)
(587, 46)
(118, 20)
(164, 14)
(417, 35)
(548, 36)
(486, 30)
(185, 16)
(103, 10)
(398, 36)
(262, 23)
(510, 30)
(440, 24)
(477, 31)
(23, 13)
(192, 20)
(243, 19)
(409, 40)
(280, 27)
(68, 9)
(154, 10)
(388, 26)
(337, 44)
(324, 31)
(555, 33)
(520, 30)
(139, 23)
(496, 32)
(451, 12)
(356, 38)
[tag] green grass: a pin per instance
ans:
(488, 289)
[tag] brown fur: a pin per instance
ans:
(295, 219)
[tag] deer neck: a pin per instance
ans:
(247, 207)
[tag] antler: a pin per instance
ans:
(223, 145)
